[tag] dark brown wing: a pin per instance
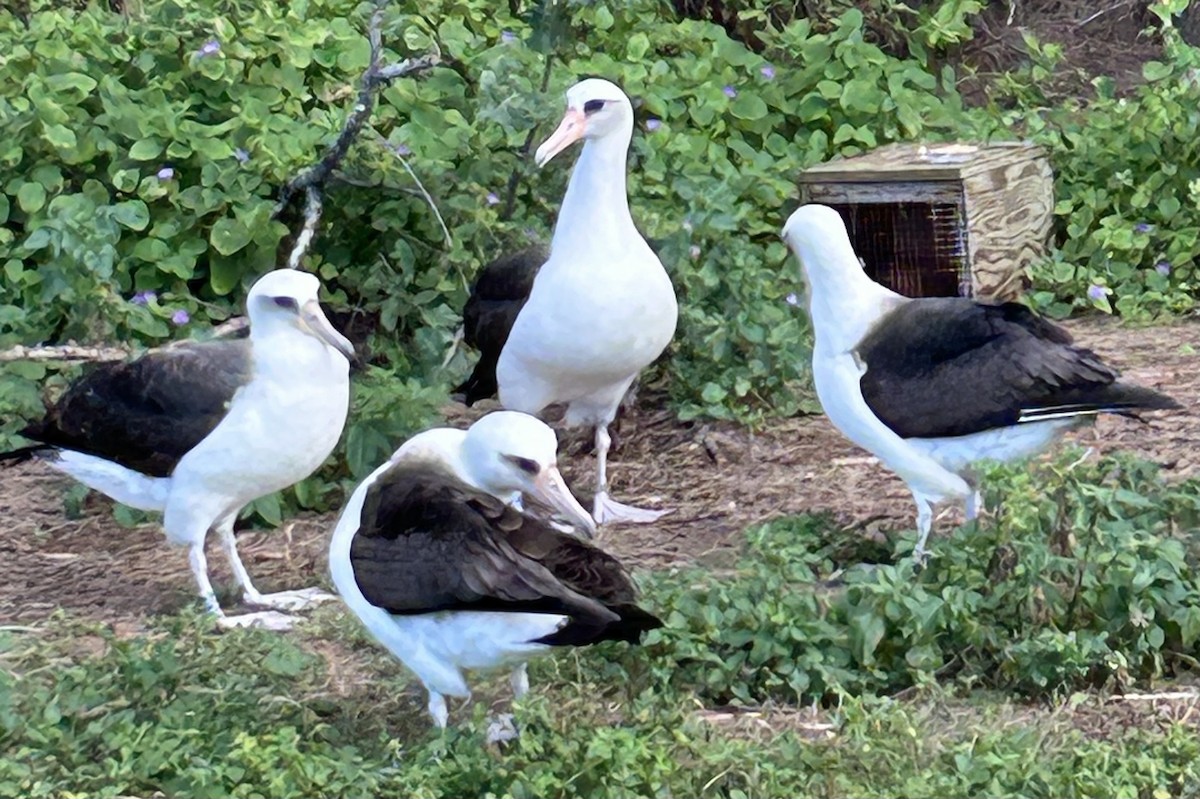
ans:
(145, 414)
(499, 294)
(429, 543)
(592, 572)
(952, 366)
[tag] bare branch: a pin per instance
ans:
(313, 179)
(64, 352)
(312, 215)
(72, 353)
(421, 187)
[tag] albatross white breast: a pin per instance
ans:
(197, 431)
(931, 386)
(443, 570)
(601, 307)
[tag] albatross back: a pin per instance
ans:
(941, 367)
(147, 413)
(427, 543)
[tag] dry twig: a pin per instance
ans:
(312, 180)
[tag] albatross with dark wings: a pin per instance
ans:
(199, 430)
(578, 328)
(930, 386)
(433, 556)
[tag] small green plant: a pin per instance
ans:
(1087, 574)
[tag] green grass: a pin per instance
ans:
(799, 672)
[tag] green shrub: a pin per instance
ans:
(1089, 573)
(1127, 184)
(145, 153)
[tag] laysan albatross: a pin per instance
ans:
(601, 307)
(448, 575)
(199, 430)
(932, 385)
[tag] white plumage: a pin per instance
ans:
(932, 386)
(602, 307)
(287, 395)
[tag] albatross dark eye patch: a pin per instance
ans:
(592, 106)
(286, 302)
(525, 464)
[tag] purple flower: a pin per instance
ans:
(653, 124)
(730, 92)
(492, 199)
(792, 299)
(241, 155)
(402, 150)
(508, 37)
(143, 297)
(768, 72)
(1096, 292)
(1143, 227)
(211, 47)
(1163, 268)
(166, 173)
(181, 317)
(694, 251)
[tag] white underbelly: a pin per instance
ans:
(957, 453)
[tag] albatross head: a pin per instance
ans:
(818, 237)
(508, 452)
(288, 297)
(595, 109)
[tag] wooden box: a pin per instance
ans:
(942, 220)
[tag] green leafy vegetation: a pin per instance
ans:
(1128, 186)
(146, 150)
(986, 674)
(1088, 576)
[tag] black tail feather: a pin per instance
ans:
(1121, 399)
(23, 454)
(630, 627)
(481, 384)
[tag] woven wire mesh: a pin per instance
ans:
(918, 249)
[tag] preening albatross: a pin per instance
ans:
(930, 386)
(197, 431)
(601, 307)
(438, 564)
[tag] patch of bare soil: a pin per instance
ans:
(716, 478)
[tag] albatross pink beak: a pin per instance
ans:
(550, 489)
(570, 130)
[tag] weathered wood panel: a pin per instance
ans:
(1010, 210)
(930, 191)
(1004, 190)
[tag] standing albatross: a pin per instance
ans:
(440, 566)
(601, 307)
(197, 431)
(932, 385)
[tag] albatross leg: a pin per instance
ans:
(268, 619)
(438, 709)
(283, 600)
(606, 509)
(974, 504)
(924, 525)
(199, 564)
(520, 680)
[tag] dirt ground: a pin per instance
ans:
(717, 478)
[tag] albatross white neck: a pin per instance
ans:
(596, 207)
(842, 301)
